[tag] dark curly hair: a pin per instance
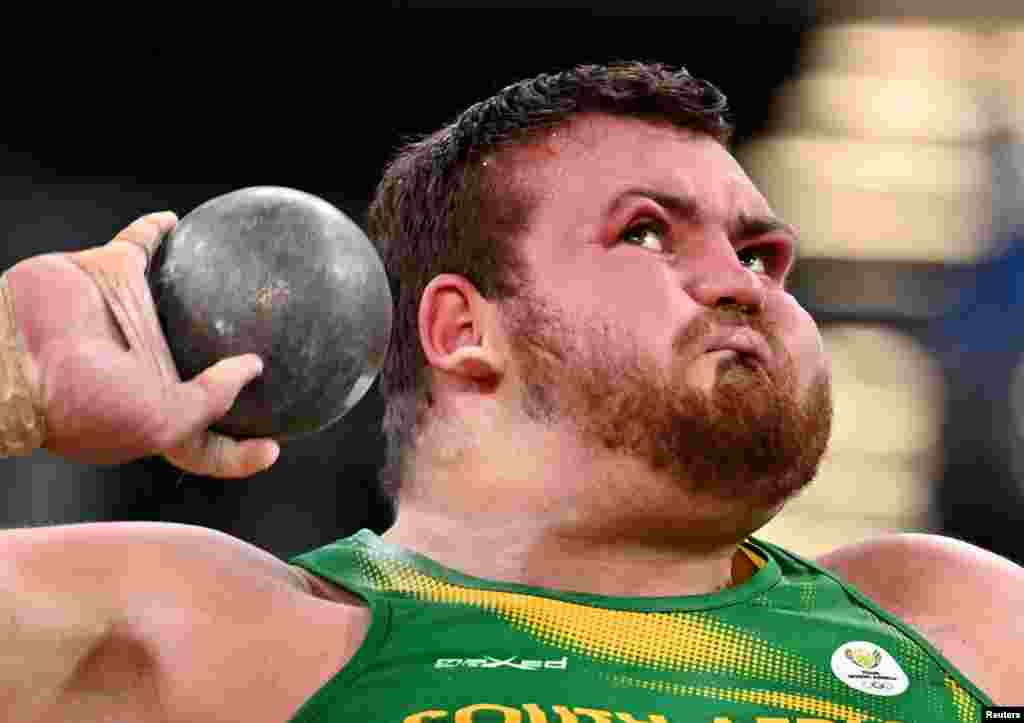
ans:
(438, 209)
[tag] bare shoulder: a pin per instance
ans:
(130, 554)
(195, 614)
(966, 600)
(919, 574)
(132, 558)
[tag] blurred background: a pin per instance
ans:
(893, 140)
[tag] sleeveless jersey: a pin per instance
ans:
(792, 644)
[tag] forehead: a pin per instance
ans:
(578, 167)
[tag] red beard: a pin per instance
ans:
(749, 438)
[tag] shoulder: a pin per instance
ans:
(130, 554)
(966, 600)
(197, 615)
(904, 571)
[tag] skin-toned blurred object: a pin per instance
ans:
(886, 444)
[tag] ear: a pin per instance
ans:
(457, 329)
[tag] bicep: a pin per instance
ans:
(70, 593)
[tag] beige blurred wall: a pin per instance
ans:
(885, 148)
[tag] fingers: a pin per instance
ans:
(201, 402)
(214, 455)
(147, 233)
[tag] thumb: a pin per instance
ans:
(202, 401)
(215, 455)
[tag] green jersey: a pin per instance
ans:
(791, 644)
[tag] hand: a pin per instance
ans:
(111, 388)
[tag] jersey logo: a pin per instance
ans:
(864, 658)
(491, 662)
(869, 668)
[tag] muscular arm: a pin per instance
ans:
(966, 601)
(45, 635)
(87, 610)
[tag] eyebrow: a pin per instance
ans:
(745, 227)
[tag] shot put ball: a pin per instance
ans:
(288, 276)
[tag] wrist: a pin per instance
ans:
(22, 405)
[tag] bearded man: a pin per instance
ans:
(598, 388)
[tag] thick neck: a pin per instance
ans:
(517, 552)
(562, 537)
(516, 501)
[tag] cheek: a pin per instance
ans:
(803, 340)
(631, 292)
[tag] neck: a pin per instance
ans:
(508, 552)
(567, 522)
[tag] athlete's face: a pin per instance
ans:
(658, 322)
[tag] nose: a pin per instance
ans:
(727, 283)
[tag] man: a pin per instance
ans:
(597, 388)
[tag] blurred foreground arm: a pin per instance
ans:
(86, 372)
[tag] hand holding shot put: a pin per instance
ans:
(105, 380)
(263, 315)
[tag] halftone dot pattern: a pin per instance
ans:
(790, 702)
(807, 592)
(939, 702)
(917, 664)
(914, 660)
(695, 654)
(965, 705)
(647, 639)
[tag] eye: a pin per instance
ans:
(761, 259)
(646, 234)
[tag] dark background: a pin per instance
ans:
(99, 134)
